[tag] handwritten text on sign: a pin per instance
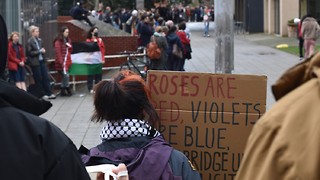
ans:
(208, 116)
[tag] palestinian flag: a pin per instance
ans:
(86, 59)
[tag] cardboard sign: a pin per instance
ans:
(208, 116)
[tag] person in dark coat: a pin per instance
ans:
(32, 148)
(128, 136)
(37, 61)
(145, 30)
(79, 13)
(173, 63)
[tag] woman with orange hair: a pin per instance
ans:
(128, 136)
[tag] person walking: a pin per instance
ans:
(310, 32)
(37, 61)
(16, 61)
(300, 37)
(128, 136)
(63, 49)
(93, 36)
(145, 30)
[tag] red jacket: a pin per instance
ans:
(63, 54)
(184, 40)
(299, 30)
(101, 46)
(13, 61)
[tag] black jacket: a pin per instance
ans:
(33, 148)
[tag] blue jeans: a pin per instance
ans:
(41, 78)
(206, 28)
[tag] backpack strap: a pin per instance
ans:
(153, 159)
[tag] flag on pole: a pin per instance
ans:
(86, 59)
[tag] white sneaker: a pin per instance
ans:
(45, 97)
(91, 91)
(52, 96)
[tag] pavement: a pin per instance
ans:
(253, 54)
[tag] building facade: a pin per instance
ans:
(277, 13)
(272, 16)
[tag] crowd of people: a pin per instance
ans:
(124, 105)
(49, 154)
(169, 32)
(177, 12)
(166, 29)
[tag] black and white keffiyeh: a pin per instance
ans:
(127, 128)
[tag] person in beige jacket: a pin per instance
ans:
(310, 32)
(285, 143)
